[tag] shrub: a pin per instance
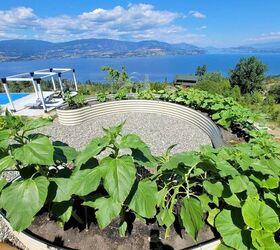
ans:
(248, 75)
(275, 91)
(221, 87)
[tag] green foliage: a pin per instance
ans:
(157, 86)
(275, 91)
(31, 155)
(117, 78)
(102, 97)
(201, 70)
(214, 83)
(76, 101)
(224, 111)
(235, 189)
(121, 94)
(248, 75)
(146, 95)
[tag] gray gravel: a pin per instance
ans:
(158, 131)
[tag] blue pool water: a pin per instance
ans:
(4, 99)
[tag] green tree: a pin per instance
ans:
(275, 91)
(201, 70)
(249, 75)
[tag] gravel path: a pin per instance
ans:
(158, 131)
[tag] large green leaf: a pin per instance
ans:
(133, 141)
(107, 210)
(35, 123)
(3, 183)
(63, 211)
(92, 149)
(239, 183)
(165, 217)
(38, 151)
(215, 189)
(264, 166)
(192, 216)
(23, 199)
(63, 152)
(4, 138)
(119, 176)
(231, 229)
(258, 215)
(265, 181)
(7, 162)
(212, 213)
(63, 189)
(85, 181)
(226, 169)
(264, 240)
(81, 183)
(144, 200)
(187, 158)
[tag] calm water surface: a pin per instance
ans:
(142, 68)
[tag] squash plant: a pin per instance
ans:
(224, 111)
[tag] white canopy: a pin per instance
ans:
(35, 78)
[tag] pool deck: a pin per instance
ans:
(21, 109)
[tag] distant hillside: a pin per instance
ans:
(14, 50)
(272, 47)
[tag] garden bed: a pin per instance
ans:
(232, 190)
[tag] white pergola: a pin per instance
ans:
(35, 78)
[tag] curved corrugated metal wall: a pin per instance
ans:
(77, 116)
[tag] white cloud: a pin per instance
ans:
(17, 18)
(271, 36)
(203, 27)
(134, 22)
(197, 14)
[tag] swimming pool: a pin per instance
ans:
(4, 99)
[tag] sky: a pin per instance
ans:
(219, 23)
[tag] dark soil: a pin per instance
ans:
(142, 236)
(230, 138)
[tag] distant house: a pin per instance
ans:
(185, 80)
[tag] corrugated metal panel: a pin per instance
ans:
(77, 116)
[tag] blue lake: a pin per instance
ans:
(142, 68)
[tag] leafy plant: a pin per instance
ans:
(146, 95)
(121, 94)
(76, 101)
(31, 155)
(224, 111)
(102, 97)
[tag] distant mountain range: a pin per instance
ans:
(272, 47)
(17, 50)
